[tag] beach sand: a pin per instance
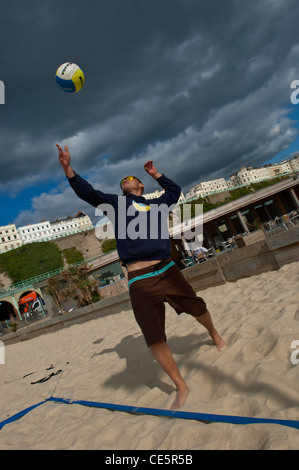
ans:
(106, 360)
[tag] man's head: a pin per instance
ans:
(132, 185)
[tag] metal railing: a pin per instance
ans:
(41, 277)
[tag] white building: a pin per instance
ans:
(249, 175)
(207, 187)
(279, 169)
(294, 163)
(246, 175)
(39, 232)
(9, 237)
(12, 237)
(70, 225)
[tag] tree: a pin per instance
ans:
(57, 294)
(74, 283)
(80, 287)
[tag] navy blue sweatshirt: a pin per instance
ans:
(140, 225)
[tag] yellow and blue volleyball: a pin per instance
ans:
(69, 77)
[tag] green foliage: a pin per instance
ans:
(31, 260)
(239, 192)
(109, 245)
(13, 326)
(79, 285)
(264, 184)
(207, 206)
(72, 255)
(54, 290)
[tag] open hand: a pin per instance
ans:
(65, 160)
(152, 170)
(64, 156)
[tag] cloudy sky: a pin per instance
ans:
(201, 87)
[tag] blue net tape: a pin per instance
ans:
(206, 417)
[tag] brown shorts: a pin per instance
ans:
(149, 294)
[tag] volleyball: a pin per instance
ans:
(69, 77)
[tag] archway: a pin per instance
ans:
(7, 311)
(30, 301)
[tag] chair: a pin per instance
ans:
(286, 222)
(225, 246)
(271, 226)
(201, 257)
(189, 261)
(210, 253)
(232, 242)
(280, 222)
(294, 217)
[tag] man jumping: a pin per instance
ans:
(152, 275)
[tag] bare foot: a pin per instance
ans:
(218, 341)
(180, 398)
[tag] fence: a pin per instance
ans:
(114, 288)
(29, 282)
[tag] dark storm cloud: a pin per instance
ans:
(199, 87)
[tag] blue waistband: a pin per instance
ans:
(151, 274)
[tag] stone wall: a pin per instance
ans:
(86, 242)
(218, 197)
(268, 254)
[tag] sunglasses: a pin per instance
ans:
(127, 178)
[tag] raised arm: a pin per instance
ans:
(65, 161)
(172, 190)
(82, 188)
(152, 170)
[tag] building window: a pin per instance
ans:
(224, 230)
(108, 274)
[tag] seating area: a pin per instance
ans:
(198, 258)
(234, 242)
(284, 222)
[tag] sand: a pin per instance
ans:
(106, 360)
